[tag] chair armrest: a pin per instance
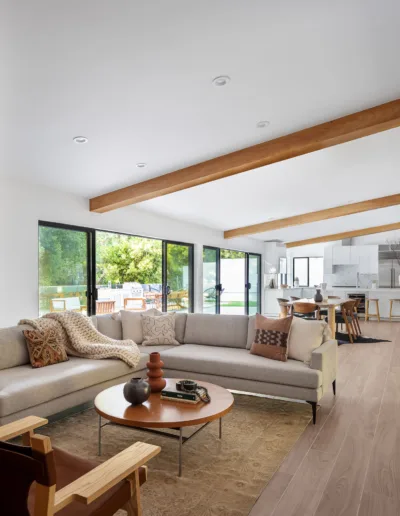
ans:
(95, 483)
(22, 426)
(324, 359)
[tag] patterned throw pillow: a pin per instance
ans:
(43, 348)
(271, 337)
(159, 329)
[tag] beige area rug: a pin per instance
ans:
(220, 478)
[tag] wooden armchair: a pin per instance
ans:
(37, 480)
(306, 310)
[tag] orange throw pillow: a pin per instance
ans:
(43, 348)
(271, 337)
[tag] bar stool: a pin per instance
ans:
(391, 316)
(368, 314)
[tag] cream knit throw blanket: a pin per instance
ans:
(81, 339)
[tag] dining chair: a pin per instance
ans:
(355, 315)
(346, 317)
(39, 480)
(309, 311)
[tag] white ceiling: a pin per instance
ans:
(135, 78)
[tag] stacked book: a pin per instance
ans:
(175, 395)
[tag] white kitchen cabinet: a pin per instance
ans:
(328, 261)
(374, 259)
(368, 259)
(354, 254)
(341, 255)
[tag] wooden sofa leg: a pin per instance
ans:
(314, 410)
(334, 387)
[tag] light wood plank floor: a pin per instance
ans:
(348, 464)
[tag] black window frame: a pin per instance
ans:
(247, 283)
(92, 293)
(308, 268)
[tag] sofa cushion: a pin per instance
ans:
(44, 347)
(132, 325)
(23, 387)
(13, 349)
(271, 340)
(239, 363)
(305, 336)
(251, 331)
(217, 330)
(108, 326)
(159, 330)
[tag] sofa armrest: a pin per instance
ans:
(324, 359)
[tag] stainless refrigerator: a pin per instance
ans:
(389, 268)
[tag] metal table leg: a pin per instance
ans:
(220, 427)
(99, 438)
(180, 451)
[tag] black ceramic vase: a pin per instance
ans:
(136, 391)
(318, 298)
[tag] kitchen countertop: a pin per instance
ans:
(378, 289)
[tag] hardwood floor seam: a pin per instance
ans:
(377, 422)
(341, 447)
(336, 401)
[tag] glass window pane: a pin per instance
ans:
(254, 280)
(316, 271)
(128, 272)
(300, 271)
(233, 282)
(209, 280)
(178, 278)
(62, 270)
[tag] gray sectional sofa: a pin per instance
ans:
(215, 348)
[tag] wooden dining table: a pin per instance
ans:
(329, 304)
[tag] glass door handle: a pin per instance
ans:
(248, 285)
(167, 290)
(219, 288)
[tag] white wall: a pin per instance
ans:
(377, 239)
(23, 205)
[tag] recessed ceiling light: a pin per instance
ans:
(141, 165)
(222, 80)
(81, 139)
(263, 123)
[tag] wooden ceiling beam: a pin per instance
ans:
(344, 129)
(315, 216)
(347, 234)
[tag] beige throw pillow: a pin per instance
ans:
(305, 336)
(271, 337)
(132, 324)
(158, 330)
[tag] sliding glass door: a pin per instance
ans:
(210, 280)
(254, 283)
(102, 272)
(178, 277)
(128, 272)
(231, 281)
(64, 269)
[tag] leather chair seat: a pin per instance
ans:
(69, 468)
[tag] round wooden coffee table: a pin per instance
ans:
(156, 413)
